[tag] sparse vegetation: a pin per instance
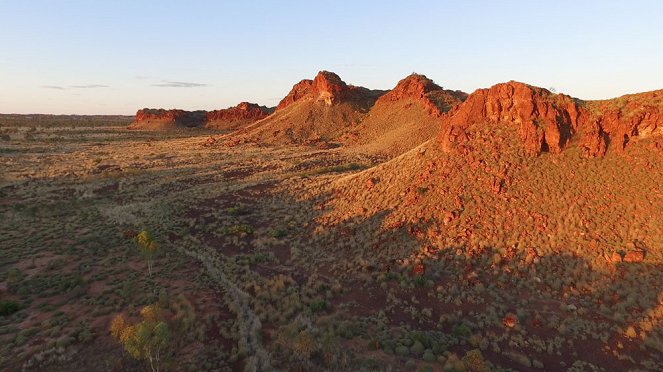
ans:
(429, 265)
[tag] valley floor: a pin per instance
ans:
(253, 273)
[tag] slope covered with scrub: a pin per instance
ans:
(314, 111)
(509, 223)
(404, 118)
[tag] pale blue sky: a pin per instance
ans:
(113, 57)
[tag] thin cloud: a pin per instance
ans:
(89, 86)
(178, 84)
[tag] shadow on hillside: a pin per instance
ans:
(587, 299)
(563, 295)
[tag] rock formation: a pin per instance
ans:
(548, 121)
(326, 87)
(419, 87)
(162, 119)
(230, 118)
(616, 121)
(235, 117)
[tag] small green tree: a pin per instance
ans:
(148, 247)
(146, 340)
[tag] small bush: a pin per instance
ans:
(318, 305)
(279, 233)
(237, 210)
(8, 307)
(238, 230)
(461, 330)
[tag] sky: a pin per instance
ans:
(114, 57)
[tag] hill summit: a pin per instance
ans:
(326, 87)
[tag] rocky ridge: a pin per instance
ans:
(229, 118)
(549, 122)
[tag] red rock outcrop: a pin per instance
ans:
(617, 121)
(418, 87)
(413, 86)
(403, 118)
(315, 112)
(327, 87)
(146, 118)
(298, 91)
(243, 113)
(547, 121)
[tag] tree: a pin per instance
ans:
(145, 340)
(117, 326)
(148, 247)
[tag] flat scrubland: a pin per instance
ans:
(300, 258)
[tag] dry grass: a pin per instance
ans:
(488, 259)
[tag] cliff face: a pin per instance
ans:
(616, 121)
(547, 121)
(298, 91)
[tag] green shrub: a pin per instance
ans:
(402, 350)
(238, 230)
(461, 330)
(279, 233)
(237, 210)
(317, 305)
(8, 307)
(420, 281)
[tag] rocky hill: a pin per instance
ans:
(314, 111)
(548, 122)
(404, 118)
(531, 211)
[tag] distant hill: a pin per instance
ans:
(227, 119)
